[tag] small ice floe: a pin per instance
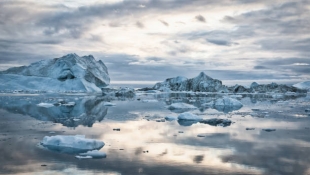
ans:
(152, 91)
(189, 116)
(216, 122)
(94, 154)
(185, 106)
(235, 96)
(71, 143)
(277, 95)
(265, 112)
(160, 120)
(269, 130)
(280, 111)
(69, 104)
(149, 101)
(171, 118)
(52, 132)
(109, 104)
(249, 128)
(45, 105)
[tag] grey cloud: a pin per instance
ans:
(286, 65)
(260, 67)
(200, 18)
(139, 25)
(220, 42)
(164, 23)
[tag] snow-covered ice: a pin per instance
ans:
(94, 154)
(170, 118)
(68, 73)
(71, 143)
(189, 116)
(181, 106)
(303, 85)
(45, 105)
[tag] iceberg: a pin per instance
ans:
(69, 73)
(189, 116)
(217, 122)
(225, 104)
(181, 106)
(71, 144)
(201, 83)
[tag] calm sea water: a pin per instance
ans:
(148, 144)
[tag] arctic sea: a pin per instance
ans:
(268, 135)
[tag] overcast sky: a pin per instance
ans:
(150, 40)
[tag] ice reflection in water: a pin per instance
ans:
(146, 145)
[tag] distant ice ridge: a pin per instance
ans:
(68, 73)
(204, 83)
(71, 144)
(303, 85)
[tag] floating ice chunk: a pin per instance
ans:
(227, 104)
(150, 101)
(71, 144)
(226, 101)
(109, 104)
(45, 105)
(181, 106)
(69, 104)
(217, 122)
(235, 96)
(170, 118)
(94, 154)
(189, 116)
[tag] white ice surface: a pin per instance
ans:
(303, 85)
(91, 154)
(189, 116)
(181, 106)
(72, 141)
(170, 118)
(45, 105)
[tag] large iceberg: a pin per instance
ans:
(201, 83)
(68, 73)
(71, 144)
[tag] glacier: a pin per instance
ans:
(70, 73)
